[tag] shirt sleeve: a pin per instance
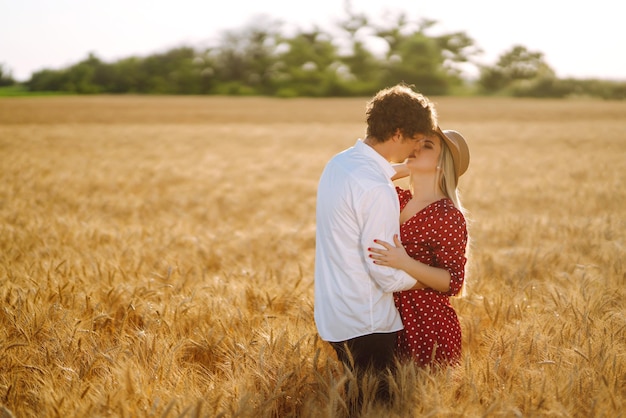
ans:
(450, 245)
(380, 219)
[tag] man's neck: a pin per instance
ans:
(380, 147)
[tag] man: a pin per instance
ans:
(357, 203)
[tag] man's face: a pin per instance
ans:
(407, 146)
(426, 156)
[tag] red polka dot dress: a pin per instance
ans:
(437, 236)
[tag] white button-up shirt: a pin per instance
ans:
(356, 203)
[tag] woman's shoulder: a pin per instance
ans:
(403, 192)
(447, 209)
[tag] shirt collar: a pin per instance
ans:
(370, 152)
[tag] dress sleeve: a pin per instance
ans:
(403, 196)
(449, 246)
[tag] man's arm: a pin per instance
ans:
(380, 217)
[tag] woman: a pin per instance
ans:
(434, 237)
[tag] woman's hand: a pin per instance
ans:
(391, 256)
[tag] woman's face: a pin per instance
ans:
(426, 156)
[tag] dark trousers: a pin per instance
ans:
(369, 353)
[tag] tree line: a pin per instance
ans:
(260, 59)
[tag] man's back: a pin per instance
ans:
(355, 196)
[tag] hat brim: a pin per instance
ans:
(458, 148)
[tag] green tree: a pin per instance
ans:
(357, 57)
(126, 76)
(458, 51)
(431, 63)
(418, 60)
(307, 65)
(171, 72)
(362, 69)
(514, 67)
(6, 78)
(80, 78)
(44, 80)
(244, 61)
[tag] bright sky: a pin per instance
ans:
(578, 38)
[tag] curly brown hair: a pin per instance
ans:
(399, 107)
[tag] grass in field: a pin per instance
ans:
(21, 91)
(156, 259)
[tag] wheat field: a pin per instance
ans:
(156, 259)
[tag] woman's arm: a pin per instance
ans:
(401, 171)
(397, 257)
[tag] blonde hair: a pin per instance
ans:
(447, 182)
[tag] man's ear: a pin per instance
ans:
(397, 136)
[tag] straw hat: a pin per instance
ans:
(458, 148)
